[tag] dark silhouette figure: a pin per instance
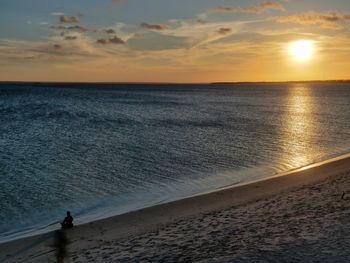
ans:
(343, 196)
(67, 222)
(60, 245)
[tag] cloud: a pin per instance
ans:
(183, 34)
(57, 14)
(256, 38)
(154, 41)
(51, 51)
(69, 19)
(70, 38)
(224, 30)
(202, 34)
(153, 26)
(102, 41)
(57, 46)
(259, 8)
(201, 21)
(76, 28)
(110, 31)
(325, 20)
(114, 40)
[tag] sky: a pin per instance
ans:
(172, 41)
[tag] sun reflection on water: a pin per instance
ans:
(299, 128)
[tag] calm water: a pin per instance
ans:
(104, 150)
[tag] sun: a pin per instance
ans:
(302, 50)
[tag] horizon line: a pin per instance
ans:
(164, 83)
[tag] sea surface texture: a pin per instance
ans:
(101, 150)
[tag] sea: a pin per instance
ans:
(100, 150)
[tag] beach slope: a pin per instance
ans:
(298, 216)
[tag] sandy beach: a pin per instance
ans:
(169, 131)
(294, 217)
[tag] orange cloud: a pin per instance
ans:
(113, 40)
(110, 31)
(57, 46)
(75, 28)
(259, 8)
(153, 26)
(69, 19)
(325, 20)
(224, 30)
(70, 38)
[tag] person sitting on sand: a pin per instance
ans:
(67, 222)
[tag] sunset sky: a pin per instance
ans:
(172, 41)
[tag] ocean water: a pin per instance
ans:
(101, 150)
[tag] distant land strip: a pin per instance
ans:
(169, 83)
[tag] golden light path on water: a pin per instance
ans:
(299, 128)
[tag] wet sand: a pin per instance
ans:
(295, 217)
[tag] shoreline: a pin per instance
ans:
(151, 218)
(32, 233)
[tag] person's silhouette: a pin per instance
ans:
(68, 221)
